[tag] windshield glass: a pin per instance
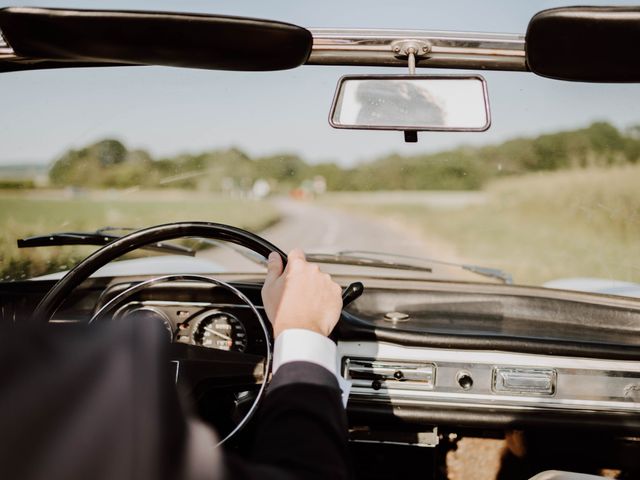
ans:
(547, 196)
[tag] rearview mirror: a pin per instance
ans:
(411, 103)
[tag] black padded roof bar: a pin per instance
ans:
(56, 37)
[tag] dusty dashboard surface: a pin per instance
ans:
(479, 359)
(471, 355)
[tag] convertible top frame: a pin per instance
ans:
(357, 47)
(584, 44)
(440, 49)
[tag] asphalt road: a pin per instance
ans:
(319, 229)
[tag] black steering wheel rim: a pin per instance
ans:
(133, 241)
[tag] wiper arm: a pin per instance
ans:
(99, 238)
(477, 269)
(344, 258)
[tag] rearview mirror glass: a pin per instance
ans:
(411, 102)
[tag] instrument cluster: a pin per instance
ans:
(222, 327)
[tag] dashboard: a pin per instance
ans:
(428, 353)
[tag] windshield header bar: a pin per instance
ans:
(373, 48)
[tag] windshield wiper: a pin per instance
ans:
(100, 237)
(477, 269)
(337, 259)
(343, 258)
(362, 258)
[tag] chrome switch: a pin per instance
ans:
(389, 372)
(524, 381)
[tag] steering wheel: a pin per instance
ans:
(128, 243)
(226, 367)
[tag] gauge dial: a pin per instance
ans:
(219, 330)
(145, 313)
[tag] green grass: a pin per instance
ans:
(25, 213)
(537, 226)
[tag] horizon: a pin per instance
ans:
(47, 163)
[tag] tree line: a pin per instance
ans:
(110, 164)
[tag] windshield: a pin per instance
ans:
(547, 196)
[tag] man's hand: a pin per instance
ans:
(301, 296)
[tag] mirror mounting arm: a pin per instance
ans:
(411, 49)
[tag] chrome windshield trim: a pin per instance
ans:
(6, 52)
(471, 50)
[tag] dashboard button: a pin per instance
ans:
(523, 380)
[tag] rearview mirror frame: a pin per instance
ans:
(345, 78)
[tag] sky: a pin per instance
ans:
(169, 111)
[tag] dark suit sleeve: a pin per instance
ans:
(301, 431)
(95, 403)
(98, 403)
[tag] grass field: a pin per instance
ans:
(25, 213)
(538, 226)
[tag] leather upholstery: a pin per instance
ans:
(592, 44)
(153, 38)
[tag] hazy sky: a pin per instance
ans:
(168, 111)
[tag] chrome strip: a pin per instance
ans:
(6, 53)
(458, 401)
(172, 303)
(471, 50)
(402, 397)
(582, 384)
(400, 353)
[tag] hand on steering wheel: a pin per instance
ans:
(220, 365)
(300, 295)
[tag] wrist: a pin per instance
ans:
(304, 345)
(277, 330)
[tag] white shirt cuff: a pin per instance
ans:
(300, 345)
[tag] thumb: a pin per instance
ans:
(274, 267)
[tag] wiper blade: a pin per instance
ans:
(98, 238)
(336, 259)
(477, 269)
(344, 258)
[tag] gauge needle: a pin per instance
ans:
(221, 335)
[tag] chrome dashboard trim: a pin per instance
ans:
(581, 384)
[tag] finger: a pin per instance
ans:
(274, 267)
(295, 260)
(296, 253)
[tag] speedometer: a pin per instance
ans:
(219, 330)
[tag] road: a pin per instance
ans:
(316, 228)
